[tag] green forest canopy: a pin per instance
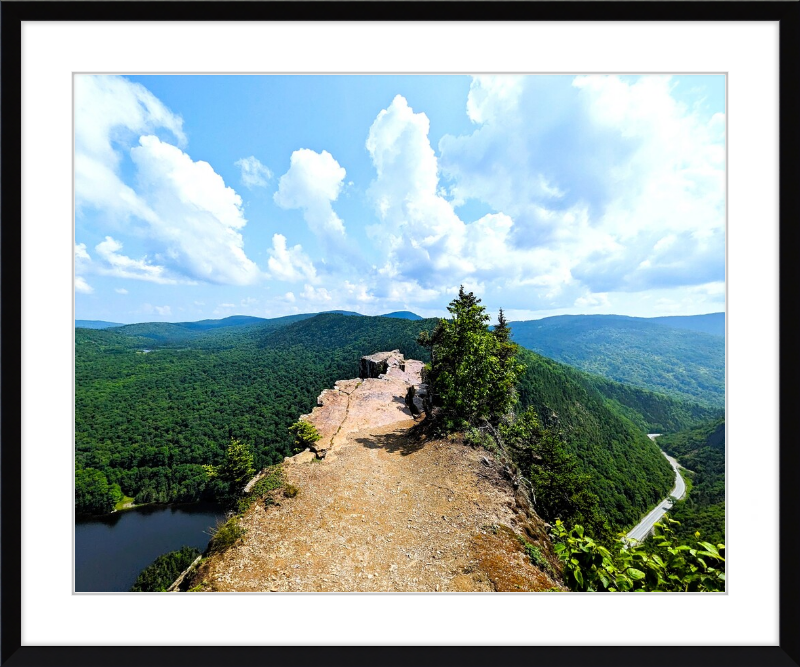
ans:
(147, 423)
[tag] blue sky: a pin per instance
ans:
(207, 196)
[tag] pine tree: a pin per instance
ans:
(473, 370)
(237, 468)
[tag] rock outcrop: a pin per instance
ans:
(375, 365)
(388, 509)
(377, 398)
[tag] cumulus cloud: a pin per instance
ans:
(289, 264)
(611, 184)
(313, 181)
(82, 286)
(163, 311)
(254, 174)
(83, 261)
(199, 216)
(121, 290)
(424, 235)
(317, 295)
(110, 114)
(188, 216)
(122, 266)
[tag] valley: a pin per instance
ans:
(146, 424)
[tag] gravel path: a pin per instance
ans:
(386, 511)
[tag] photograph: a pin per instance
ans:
(381, 333)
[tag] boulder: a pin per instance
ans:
(303, 457)
(375, 365)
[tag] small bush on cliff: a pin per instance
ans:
(273, 479)
(226, 535)
(473, 370)
(159, 575)
(305, 434)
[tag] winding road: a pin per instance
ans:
(643, 528)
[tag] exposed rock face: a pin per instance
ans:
(377, 398)
(375, 365)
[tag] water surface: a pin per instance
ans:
(111, 550)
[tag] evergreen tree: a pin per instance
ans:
(473, 370)
(237, 468)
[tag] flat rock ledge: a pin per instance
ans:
(383, 395)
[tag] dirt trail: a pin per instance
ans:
(385, 511)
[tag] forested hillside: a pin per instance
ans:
(650, 411)
(688, 365)
(148, 421)
(702, 451)
(628, 473)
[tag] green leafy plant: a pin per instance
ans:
(273, 479)
(536, 555)
(661, 564)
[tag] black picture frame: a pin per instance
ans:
(14, 654)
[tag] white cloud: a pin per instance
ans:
(83, 261)
(163, 311)
(313, 181)
(121, 290)
(188, 216)
(121, 266)
(254, 174)
(316, 294)
(424, 236)
(289, 264)
(610, 183)
(110, 114)
(599, 300)
(289, 296)
(82, 286)
(199, 216)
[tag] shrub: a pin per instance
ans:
(226, 535)
(272, 479)
(290, 491)
(305, 434)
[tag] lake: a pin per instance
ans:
(111, 550)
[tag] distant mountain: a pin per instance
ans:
(232, 321)
(338, 312)
(207, 333)
(403, 315)
(688, 365)
(713, 323)
(95, 324)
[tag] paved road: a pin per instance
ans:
(641, 530)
